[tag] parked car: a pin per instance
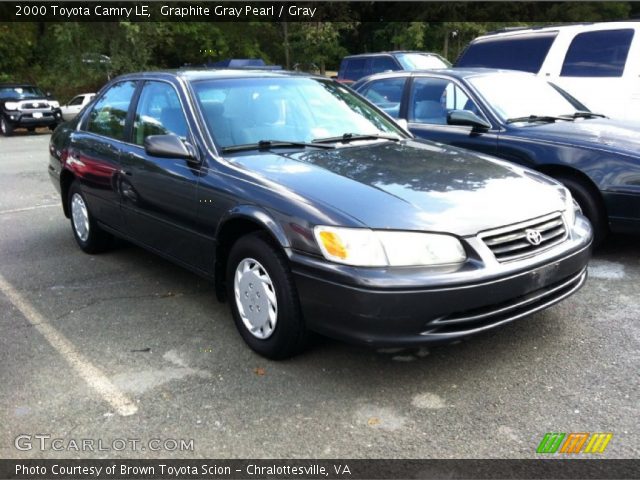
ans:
(26, 106)
(524, 119)
(77, 103)
(354, 67)
(238, 63)
(598, 63)
(313, 211)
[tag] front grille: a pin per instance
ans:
(35, 105)
(512, 243)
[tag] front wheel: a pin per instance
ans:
(88, 234)
(5, 127)
(264, 301)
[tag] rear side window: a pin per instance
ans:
(108, 116)
(387, 94)
(354, 69)
(383, 64)
(520, 52)
(598, 54)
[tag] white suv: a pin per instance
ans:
(597, 63)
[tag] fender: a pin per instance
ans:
(258, 215)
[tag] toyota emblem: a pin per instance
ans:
(534, 237)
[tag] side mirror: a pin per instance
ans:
(167, 146)
(468, 119)
(48, 94)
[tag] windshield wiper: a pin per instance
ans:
(268, 144)
(583, 114)
(349, 137)
(538, 118)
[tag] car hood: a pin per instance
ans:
(411, 185)
(603, 133)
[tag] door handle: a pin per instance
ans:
(126, 172)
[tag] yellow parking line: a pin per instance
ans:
(83, 367)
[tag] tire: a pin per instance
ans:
(591, 206)
(5, 127)
(283, 333)
(89, 236)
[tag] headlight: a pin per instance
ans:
(54, 104)
(11, 105)
(570, 207)
(377, 248)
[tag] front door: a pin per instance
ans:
(159, 194)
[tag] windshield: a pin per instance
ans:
(20, 92)
(517, 96)
(249, 110)
(419, 61)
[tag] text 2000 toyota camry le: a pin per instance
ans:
(313, 211)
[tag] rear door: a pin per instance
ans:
(430, 100)
(159, 194)
(95, 152)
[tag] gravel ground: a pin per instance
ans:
(125, 345)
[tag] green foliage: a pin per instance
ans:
(67, 58)
(318, 42)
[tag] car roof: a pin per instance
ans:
(213, 73)
(577, 27)
(392, 52)
(459, 73)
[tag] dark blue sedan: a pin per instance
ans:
(524, 119)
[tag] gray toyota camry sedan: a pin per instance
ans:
(313, 211)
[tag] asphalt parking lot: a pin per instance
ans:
(125, 345)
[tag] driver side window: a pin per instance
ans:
(159, 112)
(76, 101)
(432, 99)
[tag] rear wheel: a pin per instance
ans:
(89, 236)
(264, 301)
(5, 127)
(590, 204)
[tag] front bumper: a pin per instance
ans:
(414, 306)
(18, 118)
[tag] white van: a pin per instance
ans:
(597, 63)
